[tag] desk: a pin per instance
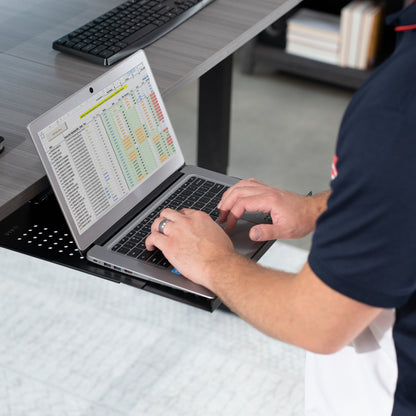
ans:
(34, 77)
(73, 344)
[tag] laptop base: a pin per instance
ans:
(39, 229)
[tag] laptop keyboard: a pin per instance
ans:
(195, 193)
(127, 28)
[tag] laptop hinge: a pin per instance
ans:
(139, 207)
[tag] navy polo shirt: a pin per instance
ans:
(365, 242)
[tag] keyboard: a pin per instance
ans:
(195, 193)
(127, 28)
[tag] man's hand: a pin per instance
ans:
(191, 241)
(293, 216)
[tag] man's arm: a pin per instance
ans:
(299, 309)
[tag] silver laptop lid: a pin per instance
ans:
(106, 147)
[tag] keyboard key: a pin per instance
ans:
(140, 33)
(98, 49)
(134, 252)
(123, 250)
(164, 263)
(129, 245)
(157, 257)
(145, 255)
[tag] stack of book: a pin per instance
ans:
(349, 40)
(361, 23)
(314, 35)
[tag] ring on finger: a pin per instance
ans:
(162, 225)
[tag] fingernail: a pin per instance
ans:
(255, 234)
(219, 205)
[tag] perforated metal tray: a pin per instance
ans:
(38, 229)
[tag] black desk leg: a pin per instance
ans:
(214, 117)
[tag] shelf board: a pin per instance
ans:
(320, 71)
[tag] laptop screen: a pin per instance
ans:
(108, 144)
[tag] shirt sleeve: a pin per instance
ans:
(364, 245)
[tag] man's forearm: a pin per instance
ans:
(317, 204)
(246, 288)
(295, 308)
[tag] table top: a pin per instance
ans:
(34, 77)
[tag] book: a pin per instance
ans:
(314, 23)
(345, 25)
(360, 26)
(314, 42)
(355, 31)
(317, 54)
(314, 35)
(371, 36)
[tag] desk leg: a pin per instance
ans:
(214, 117)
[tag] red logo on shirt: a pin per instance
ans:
(334, 171)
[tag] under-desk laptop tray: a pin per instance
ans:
(38, 229)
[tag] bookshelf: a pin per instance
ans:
(270, 46)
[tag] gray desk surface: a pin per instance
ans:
(34, 77)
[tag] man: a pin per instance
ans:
(355, 298)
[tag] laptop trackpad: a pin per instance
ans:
(241, 240)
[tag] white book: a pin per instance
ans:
(370, 36)
(316, 54)
(345, 29)
(355, 33)
(313, 41)
(315, 23)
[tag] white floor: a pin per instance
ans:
(73, 344)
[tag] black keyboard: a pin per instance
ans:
(195, 193)
(127, 28)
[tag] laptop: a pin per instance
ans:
(113, 161)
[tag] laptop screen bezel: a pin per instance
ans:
(90, 235)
